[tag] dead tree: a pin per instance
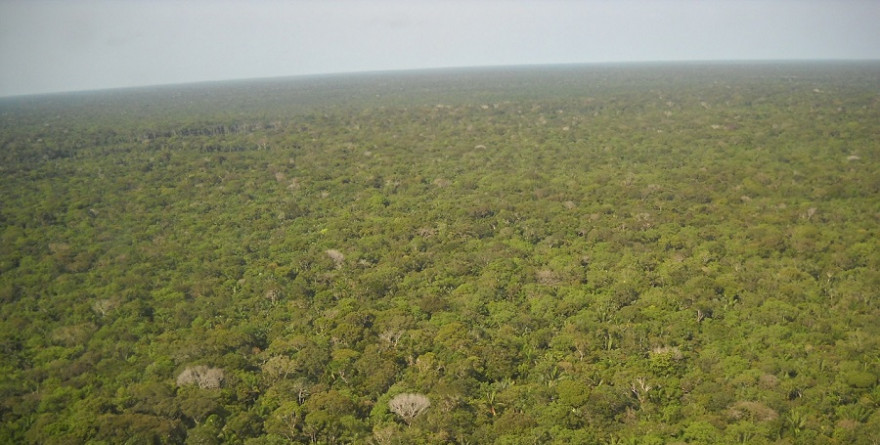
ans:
(409, 406)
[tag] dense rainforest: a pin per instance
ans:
(612, 254)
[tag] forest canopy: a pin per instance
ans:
(646, 254)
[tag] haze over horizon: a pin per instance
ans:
(51, 46)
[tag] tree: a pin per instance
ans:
(201, 375)
(333, 417)
(409, 406)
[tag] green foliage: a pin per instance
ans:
(621, 254)
(860, 379)
(701, 432)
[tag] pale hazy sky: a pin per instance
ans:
(48, 46)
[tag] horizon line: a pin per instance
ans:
(391, 71)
